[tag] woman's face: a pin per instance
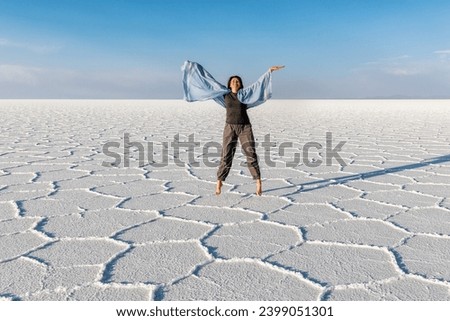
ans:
(235, 84)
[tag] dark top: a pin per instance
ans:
(236, 111)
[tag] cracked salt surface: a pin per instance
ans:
(242, 280)
(333, 264)
(158, 262)
(257, 239)
(375, 229)
(354, 231)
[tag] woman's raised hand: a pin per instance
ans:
(274, 68)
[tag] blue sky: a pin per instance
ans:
(134, 48)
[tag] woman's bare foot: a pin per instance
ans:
(219, 187)
(258, 187)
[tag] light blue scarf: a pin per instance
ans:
(199, 85)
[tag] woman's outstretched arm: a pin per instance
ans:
(199, 84)
(275, 68)
(260, 91)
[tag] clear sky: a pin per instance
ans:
(134, 48)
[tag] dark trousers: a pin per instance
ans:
(231, 133)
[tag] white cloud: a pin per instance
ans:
(445, 52)
(399, 66)
(17, 81)
(444, 55)
(35, 48)
(17, 74)
(406, 65)
(397, 77)
(401, 71)
(382, 61)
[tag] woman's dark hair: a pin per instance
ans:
(240, 80)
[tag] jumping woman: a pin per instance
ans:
(199, 85)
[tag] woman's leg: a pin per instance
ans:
(248, 146)
(226, 159)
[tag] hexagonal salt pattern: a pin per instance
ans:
(242, 280)
(257, 239)
(18, 244)
(331, 264)
(369, 232)
(97, 223)
(158, 262)
(425, 220)
(18, 284)
(408, 288)
(428, 256)
(165, 229)
(82, 252)
(74, 229)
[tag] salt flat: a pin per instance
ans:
(79, 224)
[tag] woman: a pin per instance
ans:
(198, 84)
